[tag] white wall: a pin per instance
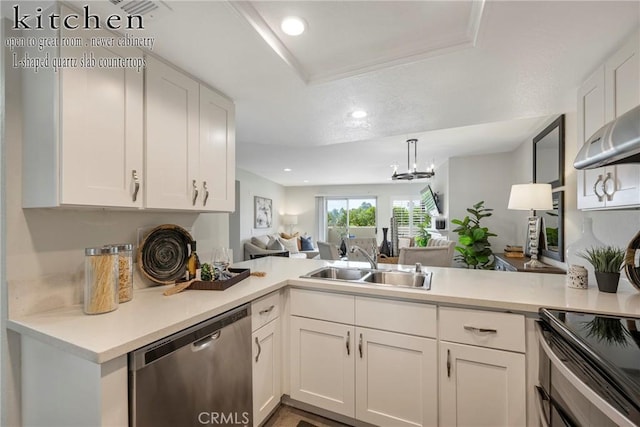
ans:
(484, 177)
(301, 201)
(253, 185)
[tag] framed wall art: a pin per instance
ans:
(263, 212)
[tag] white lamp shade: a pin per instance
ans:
(531, 197)
(290, 219)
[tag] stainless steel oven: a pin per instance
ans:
(589, 370)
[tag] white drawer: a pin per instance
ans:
(397, 316)
(264, 310)
(322, 305)
(503, 331)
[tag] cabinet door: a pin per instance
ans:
(322, 364)
(591, 117)
(101, 113)
(266, 370)
(172, 137)
(481, 386)
(396, 379)
(622, 89)
(216, 152)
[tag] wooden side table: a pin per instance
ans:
(503, 263)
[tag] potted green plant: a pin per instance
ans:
(607, 262)
(475, 249)
(423, 235)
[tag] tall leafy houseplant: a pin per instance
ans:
(422, 239)
(475, 249)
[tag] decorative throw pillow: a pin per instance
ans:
(290, 245)
(260, 242)
(274, 244)
(306, 243)
(289, 236)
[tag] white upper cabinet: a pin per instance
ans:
(190, 143)
(611, 91)
(83, 139)
(217, 152)
(172, 110)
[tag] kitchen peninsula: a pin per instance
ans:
(68, 339)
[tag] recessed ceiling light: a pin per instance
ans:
(305, 181)
(293, 26)
(359, 114)
(286, 170)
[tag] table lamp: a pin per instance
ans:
(532, 197)
(290, 221)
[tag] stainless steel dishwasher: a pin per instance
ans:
(199, 376)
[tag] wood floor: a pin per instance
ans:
(286, 416)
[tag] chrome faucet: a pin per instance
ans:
(372, 260)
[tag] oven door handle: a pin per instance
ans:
(612, 413)
(540, 397)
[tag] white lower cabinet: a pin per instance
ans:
(266, 370)
(396, 379)
(266, 343)
(322, 364)
(382, 377)
(483, 374)
(481, 386)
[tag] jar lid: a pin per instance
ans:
(122, 246)
(102, 250)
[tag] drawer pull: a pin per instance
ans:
(360, 346)
(448, 363)
(267, 310)
(480, 330)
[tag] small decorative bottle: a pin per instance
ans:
(587, 240)
(385, 249)
(193, 264)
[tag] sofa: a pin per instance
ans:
(276, 244)
(437, 253)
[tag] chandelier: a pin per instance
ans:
(412, 173)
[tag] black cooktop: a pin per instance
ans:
(612, 344)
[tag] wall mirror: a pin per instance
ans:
(548, 154)
(553, 229)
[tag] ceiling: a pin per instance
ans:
(464, 77)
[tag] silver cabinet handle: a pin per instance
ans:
(267, 310)
(195, 192)
(595, 189)
(259, 349)
(360, 346)
(348, 343)
(136, 184)
(206, 193)
(448, 363)
(604, 187)
(480, 330)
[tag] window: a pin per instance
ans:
(409, 213)
(350, 217)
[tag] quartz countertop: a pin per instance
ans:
(150, 316)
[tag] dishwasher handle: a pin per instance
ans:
(205, 342)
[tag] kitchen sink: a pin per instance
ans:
(400, 278)
(339, 273)
(407, 279)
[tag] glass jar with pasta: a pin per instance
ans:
(101, 279)
(125, 271)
